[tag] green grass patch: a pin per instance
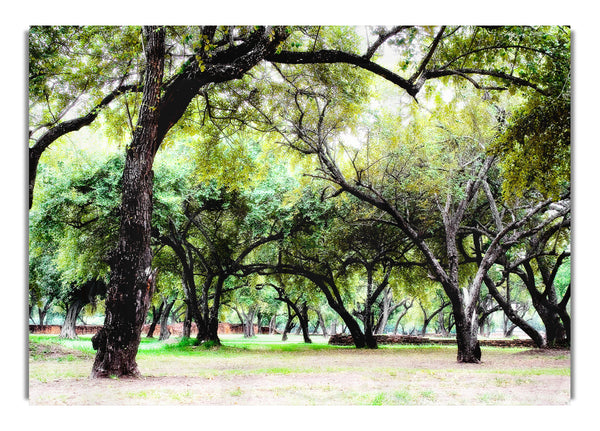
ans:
(391, 399)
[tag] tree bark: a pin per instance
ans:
(466, 336)
(68, 328)
(42, 311)
(303, 318)
(386, 310)
(165, 333)
(273, 324)
(213, 320)
(155, 319)
(321, 321)
(407, 306)
(288, 324)
(132, 280)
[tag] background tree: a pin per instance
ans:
(464, 175)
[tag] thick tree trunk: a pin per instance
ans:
(212, 328)
(132, 280)
(555, 331)
(248, 322)
(353, 327)
(68, 328)
(466, 337)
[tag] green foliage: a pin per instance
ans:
(77, 214)
(241, 187)
(535, 147)
(68, 62)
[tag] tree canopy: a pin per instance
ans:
(352, 166)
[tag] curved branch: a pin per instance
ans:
(335, 56)
(61, 129)
(464, 72)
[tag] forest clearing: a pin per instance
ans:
(267, 372)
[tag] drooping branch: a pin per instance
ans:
(465, 72)
(61, 129)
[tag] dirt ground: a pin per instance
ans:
(410, 376)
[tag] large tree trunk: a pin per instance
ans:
(213, 320)
(68, 328)
(466, 336)
(248, 322)
(132, 280)
(352, 325)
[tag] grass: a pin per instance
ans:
(245, 371)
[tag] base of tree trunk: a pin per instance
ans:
(111, 363)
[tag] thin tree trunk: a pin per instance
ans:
(321, 322)
(273, 324)
(288, 324)
(165, 333)
(386, 310)
(132, 280)
(406, 308)
(370, 341)
(537, 338)
(303, 317)
(155, 319)
(187, 323)
(42, 311)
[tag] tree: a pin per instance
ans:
(72, 230)
(221, 54)
(294, 293)
(376, 179)
(428, 316)
(537, 263)
(132, 279)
